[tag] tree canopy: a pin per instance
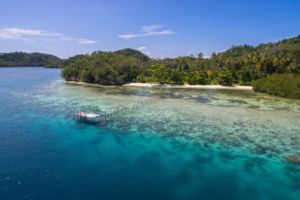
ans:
(283, 85)
(29, 59)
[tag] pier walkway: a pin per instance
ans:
(105, 117)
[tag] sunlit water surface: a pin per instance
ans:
(189, 144)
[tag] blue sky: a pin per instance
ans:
(164, 28)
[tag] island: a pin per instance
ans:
(272, 68)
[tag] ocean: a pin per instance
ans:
(187, 144)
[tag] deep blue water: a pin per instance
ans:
(190, 145)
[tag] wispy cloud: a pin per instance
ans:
(23, 34)
(78, 40)
(147, 31)
(36, 34)
(86, 41)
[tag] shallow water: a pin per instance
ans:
(189, 144)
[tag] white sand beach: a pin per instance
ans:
(187, 86)
(157, 85)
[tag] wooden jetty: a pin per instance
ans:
(92, 118)
(105, 117)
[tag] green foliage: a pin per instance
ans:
(17, 59)
(107, 68)
(225, 77)
(176, 77)
(87, 75)
(244, 76)
(196, 77)
(283, 85)
(133, 53)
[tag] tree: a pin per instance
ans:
(225, 77)
(87, 75)
(244, 76)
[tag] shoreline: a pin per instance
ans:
(187, 86)
(168, 86)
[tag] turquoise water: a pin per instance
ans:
(189, 144)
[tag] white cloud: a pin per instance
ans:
(78, 40)
(86, 41)
(35, 34)
(25, 34)
(128, 36)
(147, 31)
(142, 48)
(145, 50)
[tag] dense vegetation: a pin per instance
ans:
(107, 68)
(283, 85)
(238, 65)
(29, 59)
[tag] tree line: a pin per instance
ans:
(17, 59)
(238, 65)
(283, 85)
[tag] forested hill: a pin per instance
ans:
(273, 57)
(133, 53)
(29, 59)
(108, 68)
